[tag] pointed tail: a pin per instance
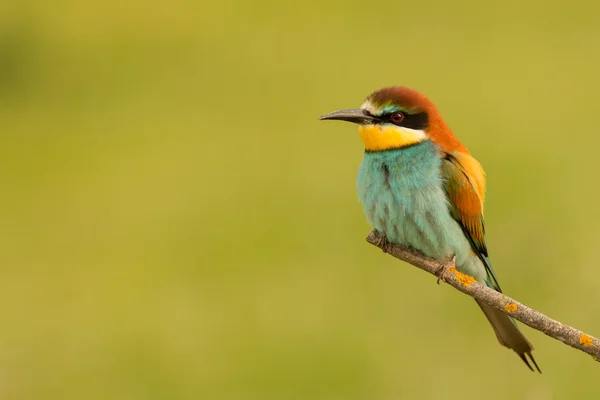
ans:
(509, 335)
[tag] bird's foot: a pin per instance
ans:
(383, 242)
(444, 269)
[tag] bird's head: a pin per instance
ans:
(396, 117)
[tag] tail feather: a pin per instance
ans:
(509, 335)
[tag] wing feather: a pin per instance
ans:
(465, 188)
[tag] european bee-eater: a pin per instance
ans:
(421, 188)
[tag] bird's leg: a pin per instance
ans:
(443, 270)
(383, 242)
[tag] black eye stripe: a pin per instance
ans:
(418, 121)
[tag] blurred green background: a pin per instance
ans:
(177, 224)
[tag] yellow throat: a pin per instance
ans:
(387, 137)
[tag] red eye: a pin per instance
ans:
(396, 117)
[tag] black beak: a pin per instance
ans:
(356, 115)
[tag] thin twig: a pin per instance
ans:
(466, 284)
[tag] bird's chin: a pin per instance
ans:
(388, 137)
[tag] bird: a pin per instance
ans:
(421, 188)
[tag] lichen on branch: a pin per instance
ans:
(466, 284)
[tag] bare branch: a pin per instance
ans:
(466, 284)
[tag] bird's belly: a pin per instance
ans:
(420, 220)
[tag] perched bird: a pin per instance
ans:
(421, 188)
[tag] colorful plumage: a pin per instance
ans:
(421, 188)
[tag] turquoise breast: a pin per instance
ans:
(403, 196)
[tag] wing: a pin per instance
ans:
(465, 188)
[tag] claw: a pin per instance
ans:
(443, 270)
(383, 242)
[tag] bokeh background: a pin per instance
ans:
(177, 224)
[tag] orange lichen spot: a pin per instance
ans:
(511, 307)
(585, 340)
(463, 279)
